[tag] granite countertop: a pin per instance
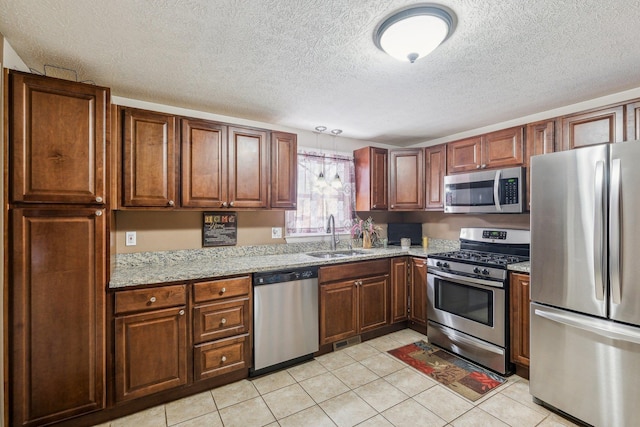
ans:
(522, 267)
(146, 268)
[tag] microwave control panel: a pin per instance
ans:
(509, 191)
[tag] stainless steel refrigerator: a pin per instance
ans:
(585, 282)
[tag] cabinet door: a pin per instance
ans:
(220, 320)
(504, 148)
(338, 311)
(464, 155)
(399, 289)
(57, 139)
(284, 170)
(594, 127)
(371, 166)
(633, 121)
(406, 179)
(149, 159)
(221, 357)
(418, 293)
(540, 140)
(151, 352)
(373, 302)
(519, 313)
(436, 170)
(57, 318)
(248, 168)
(204, 164)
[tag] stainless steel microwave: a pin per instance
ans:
(492, 191)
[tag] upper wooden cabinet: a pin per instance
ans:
(592, 127)
(436, 169)
(633, 121)
(540, 140)
(371, 179)
(504, 148)
(284, 170)
(204, 163)
(149, 155)
(58, 135)
(248, 168)
(406, 179)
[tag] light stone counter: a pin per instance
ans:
(521, 267)
(146, 268)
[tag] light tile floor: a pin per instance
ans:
(360, 385)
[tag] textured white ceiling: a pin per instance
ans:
(309, 62)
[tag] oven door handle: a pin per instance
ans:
(467, 281)
(457, 337)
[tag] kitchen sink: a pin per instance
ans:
(335, 254)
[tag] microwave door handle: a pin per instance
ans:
(496, 190)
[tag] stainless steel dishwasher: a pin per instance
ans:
(285, 318)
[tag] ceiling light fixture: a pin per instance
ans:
(414, 32)
(336, 182)
(321, 182)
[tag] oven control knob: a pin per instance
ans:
(438, 264)
(445, 265)
(485, 272)
(476, 270)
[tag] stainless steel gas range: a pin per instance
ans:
(467, 295)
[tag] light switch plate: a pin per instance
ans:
(130, 238)
(276, 232)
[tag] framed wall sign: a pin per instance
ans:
(219, 229)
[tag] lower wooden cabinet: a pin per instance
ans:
(399, 289)
(151, 341)
(418, 292)
(221, 357)
(354, 298)
(519, 318)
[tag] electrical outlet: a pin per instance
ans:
(130, 238)
(276, 232)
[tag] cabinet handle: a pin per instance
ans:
(223, 321)
(224, 204)
(223, 359)
(231, 204)
(223, 290)
(152, 299)
(375, 206)
(98, 213)
(171, 203)
(181, 312)
(484, 166)
(99, 199)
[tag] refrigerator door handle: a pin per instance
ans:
(496, 190)
(614, 232)
(600, 327)
(598, 234)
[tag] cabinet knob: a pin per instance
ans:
(484, 166)
(99, 199)
(231, 204)
(391, 206)
(478, 166)
(294, 205)
(223, 321)
(223, 359)
(375, 206)
(223, 290)
(152, 299)
(171, 203)
(181, 312)
(224, 204)
(98, 213)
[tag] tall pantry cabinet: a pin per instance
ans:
(57, 137)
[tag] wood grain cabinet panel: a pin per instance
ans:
(633, 121)
(149, 175)
(221, 357)
(338, 311)
(399, 289)
(540, 140)
(371, 166)
(373, 300)
(436, 169)
(406, 179)
(500, 149)
(519, 286)
(592, 127)
(57, 340)
(220, 320)
(284, 170)
(464, 155)
(418, 293)
(248, 168)
(58, 140)
(204, 163)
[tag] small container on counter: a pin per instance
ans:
(425, 242)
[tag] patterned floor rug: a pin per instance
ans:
(465, 378)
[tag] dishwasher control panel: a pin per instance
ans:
(269, 277)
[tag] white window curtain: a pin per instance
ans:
(315, 204)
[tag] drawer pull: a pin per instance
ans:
(223, 290)
(171, 203)
(223, 359)
(152, 299)
(99, 199)
(98, 213)
(223, 321)
(181, 312)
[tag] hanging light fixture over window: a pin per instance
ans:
(415, 32)
(336, 182)
(321, 182)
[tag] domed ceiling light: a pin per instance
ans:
(415, 32)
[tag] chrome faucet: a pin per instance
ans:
(331, 228)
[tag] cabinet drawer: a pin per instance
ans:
(150, 299)
(353, 270)
(221, 357)
(220, 320)
(223, 288)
